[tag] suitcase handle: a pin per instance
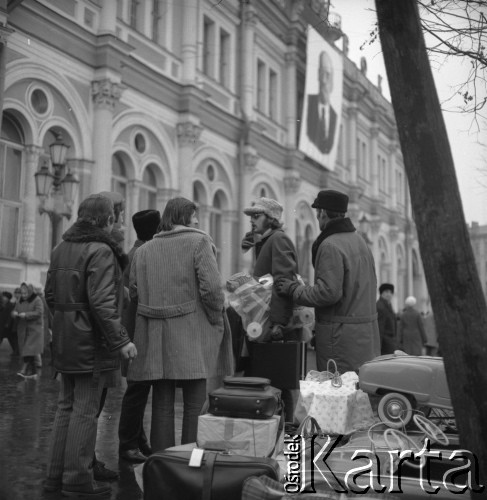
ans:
(247, 382)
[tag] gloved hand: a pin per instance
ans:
(248, 241)
(285, 287)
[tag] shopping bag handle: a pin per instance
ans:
(314, 427)
(336, 380)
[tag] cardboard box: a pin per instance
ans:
(240, 436)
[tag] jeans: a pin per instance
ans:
(162, 423)
(131, 433)
(73, 437)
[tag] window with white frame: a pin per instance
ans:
(267, 95)
(11, 151)
(209, 46)
(400, 187)
(382, 164)
(148, 190)
(224, 59)
(158, 8)
(216, 225)
(119, 176)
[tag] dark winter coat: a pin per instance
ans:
(412, 336)
(82, 292)
(387, 326)
(276, 255)
(343, 296)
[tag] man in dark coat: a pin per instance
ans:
(387, 319)
(343, 293)
(88, 339)
(133, 445)
(322, 118)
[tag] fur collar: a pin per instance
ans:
(341, 225)
(84, 232)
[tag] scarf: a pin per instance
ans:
(334, 226)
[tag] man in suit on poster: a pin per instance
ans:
(322, 118)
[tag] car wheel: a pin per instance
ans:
(395, 410)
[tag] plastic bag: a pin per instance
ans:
(251, 299)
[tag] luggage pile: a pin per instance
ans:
(238, 438)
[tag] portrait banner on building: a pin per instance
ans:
(322, 104)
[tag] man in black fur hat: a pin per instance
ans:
(82, 292)
(133, 445)
(387, 319)
(343, 293)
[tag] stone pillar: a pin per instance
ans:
(105, 95)
(83, 169)
(108, 17)
(4, 34)
(352, 158)
(291, 95)
(32, 154)
(229, 219)
(291, 187)
(189, 52)
(248, 168)
(204, 218)
(249, 22)
(374, 165)
(188, 135)
(392, 172)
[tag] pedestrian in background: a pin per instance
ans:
(133, 443)
(29, 313)
(412, 336)
(387, 319)
(179, 325)
(432, 348)
(343, 293)
(46, 318)
(82, 291)
(6, 321)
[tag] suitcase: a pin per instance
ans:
(245, 397)
(168, 475)
(284, 363)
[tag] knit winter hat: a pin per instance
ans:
(267, 206)
(146, 223)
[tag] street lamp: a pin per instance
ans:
(56, 190)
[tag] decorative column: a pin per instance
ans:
(188, 136)
(392, 170)
(374, 134)
(4, 34)
(32, 154)
(290, 97)
(248, 167)
(204, 218)
(108, 17)
(291, 187)
(189, 53)
(105, 95)
(83, 169)
(249, 22)
(229, 248)
(352, 158)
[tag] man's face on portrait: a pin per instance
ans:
(325, 76)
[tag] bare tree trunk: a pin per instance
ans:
(451, 274)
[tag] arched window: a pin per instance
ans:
(119, 176)
(11, 150)
(148, 190)
(216, 222)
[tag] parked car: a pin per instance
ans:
(405, 384)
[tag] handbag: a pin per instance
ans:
(200, 474)
(245, 397)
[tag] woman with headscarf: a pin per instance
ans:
(179, 329)
(412, 336)
(29, 312)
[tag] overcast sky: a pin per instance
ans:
(358, 20)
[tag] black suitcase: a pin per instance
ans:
(284, 363)
(245, 397)
(167, 475)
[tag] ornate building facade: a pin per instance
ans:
(195, 98)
